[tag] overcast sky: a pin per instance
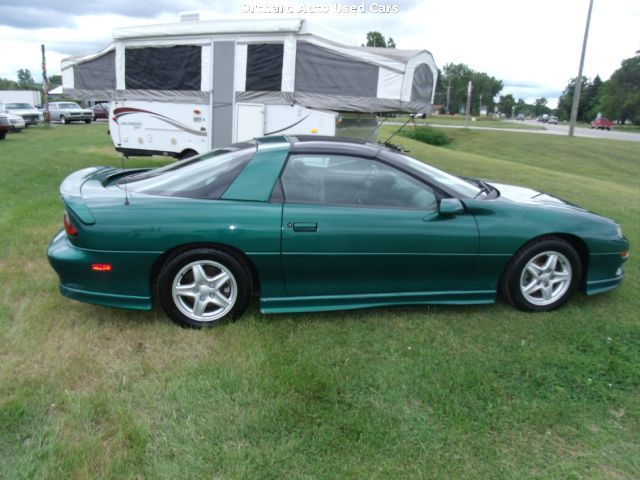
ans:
(533, 46)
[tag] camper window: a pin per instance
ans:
(264, 67)
(163, 68)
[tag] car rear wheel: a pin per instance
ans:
(203, 287)
(542, 275)
(187, 154)
(87, 121)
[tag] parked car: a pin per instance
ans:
(101, 111)
(5, 127)
(520, 117)
(312, 223)
(602, 123)
(67, 112)
(16, 122)
(31, 115)
(553, 119)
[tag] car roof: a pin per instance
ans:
(335, 145)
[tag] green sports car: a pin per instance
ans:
(310, 223)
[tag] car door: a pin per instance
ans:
(355, 225)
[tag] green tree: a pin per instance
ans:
(620, 95)
(55, 80)
(540, 107)
(391, 43)
(376, 39)
(565, 102)
(455, 78)
(506, 104)
(6, 84)
(589, 99)
(25, 80)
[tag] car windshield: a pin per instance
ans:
(464, 188)
(19, 106)
(205, 176)
(68, 106)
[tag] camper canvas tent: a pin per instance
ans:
(197, 85)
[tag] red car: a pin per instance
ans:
(602, 123)
(100, 111)
(4, 127)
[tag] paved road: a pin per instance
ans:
(590, 133)
(552, 130)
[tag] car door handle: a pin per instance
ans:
(305, 226)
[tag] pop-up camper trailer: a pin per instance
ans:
(188, 87)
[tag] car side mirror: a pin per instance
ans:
(450, 206)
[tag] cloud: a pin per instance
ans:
(52, 14)
(73, 49)
(22, 17)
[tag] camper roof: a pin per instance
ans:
(298, 26)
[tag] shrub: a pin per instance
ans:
(426, 135)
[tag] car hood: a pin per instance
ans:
(524, 195)
(22, 111)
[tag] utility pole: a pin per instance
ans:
(578, 86)
(448, 94)
(468, 112)
(45, 87)
(480, 106)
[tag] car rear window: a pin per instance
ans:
(206, 176)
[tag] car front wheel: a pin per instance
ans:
(63, 120)
(542, 275)
(203, 287)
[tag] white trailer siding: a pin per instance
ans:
(20, 96)
(159, 127)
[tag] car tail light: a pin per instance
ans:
(68, 226)
(101, 267)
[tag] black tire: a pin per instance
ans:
(63, 120)
(534, 282)
(87, 121)
(3, 134)
(178, 274)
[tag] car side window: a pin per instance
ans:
(345, 180)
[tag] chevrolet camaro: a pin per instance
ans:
(321, 223)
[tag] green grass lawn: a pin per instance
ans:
(478, 121)
(476, 392)
(626, 128)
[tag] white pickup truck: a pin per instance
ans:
(31, 115)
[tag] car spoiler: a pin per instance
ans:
(72, 185)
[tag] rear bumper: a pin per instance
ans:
(106, 299)
(127, 285)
